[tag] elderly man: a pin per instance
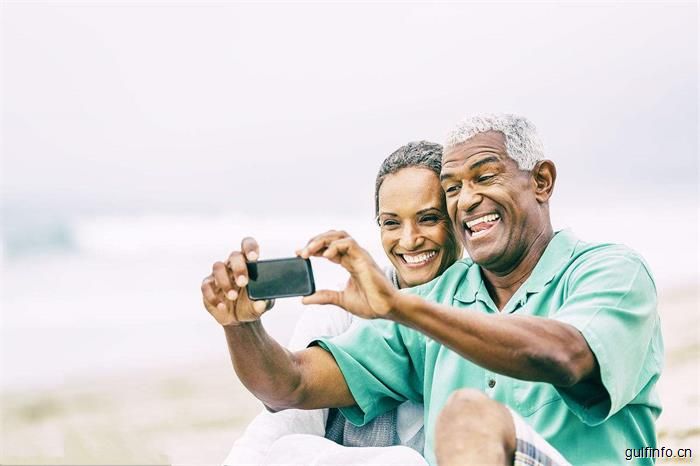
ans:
(539, 349)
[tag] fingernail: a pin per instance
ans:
(221, 307)
(252, 256)
(232, 295)
(241, 280)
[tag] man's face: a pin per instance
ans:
(491, 202)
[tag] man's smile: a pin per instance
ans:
(480, 226)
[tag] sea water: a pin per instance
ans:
(99, 294)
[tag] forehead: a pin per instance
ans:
(410, 188)
(490, 143)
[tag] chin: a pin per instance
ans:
(415, 279)
(483, 257)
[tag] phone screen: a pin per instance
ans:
(280, 278)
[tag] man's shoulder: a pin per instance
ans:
(607, 264)
(607, 254)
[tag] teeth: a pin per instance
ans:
(418, 258)
(485, 218)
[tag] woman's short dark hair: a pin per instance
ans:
(422, 154)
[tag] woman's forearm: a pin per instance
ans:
(264, 366)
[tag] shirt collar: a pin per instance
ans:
(556, 254)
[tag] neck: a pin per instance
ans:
(503, 286)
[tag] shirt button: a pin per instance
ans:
(492, 383)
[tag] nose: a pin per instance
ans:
(410, 237)
(468, 199)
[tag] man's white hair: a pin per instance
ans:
(522, 141)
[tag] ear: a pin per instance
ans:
(544, 174)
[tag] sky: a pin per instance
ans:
(149, 137)
(284, 107)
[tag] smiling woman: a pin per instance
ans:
(418, 238)
(416, 233)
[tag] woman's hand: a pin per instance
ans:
(224, 292)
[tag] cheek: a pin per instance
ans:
(438, 235)
(442, 238)
(388, 243)
(451, 248)
(451, 207)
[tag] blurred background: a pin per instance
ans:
(142, 140)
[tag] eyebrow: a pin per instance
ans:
(422, 211)
(484, 161)
(474, 166)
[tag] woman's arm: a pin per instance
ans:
(253, 446)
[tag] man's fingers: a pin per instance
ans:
(339, 247)
(323, 297)
(318, 244)
(237, 263)
(250, 249)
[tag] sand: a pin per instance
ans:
(191, 415)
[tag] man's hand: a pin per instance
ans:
(368, 293)
(224, 291)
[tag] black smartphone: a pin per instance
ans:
(280, 278)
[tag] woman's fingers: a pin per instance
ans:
(239, 269)
(250, 249)
(222, 278)
(209, 293)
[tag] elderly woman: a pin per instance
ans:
(419, 241)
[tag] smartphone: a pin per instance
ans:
(280, 278)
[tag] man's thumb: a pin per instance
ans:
(322, 297)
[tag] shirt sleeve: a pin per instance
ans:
(377, 366)
(611, 300)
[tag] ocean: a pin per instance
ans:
(104, 294)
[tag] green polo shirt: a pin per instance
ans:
(604, 290)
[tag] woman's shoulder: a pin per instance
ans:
(319, 322)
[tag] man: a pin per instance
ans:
(540, 349)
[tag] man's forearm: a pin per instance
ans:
(523, 347)
(264, 366)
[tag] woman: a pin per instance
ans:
(419, 241)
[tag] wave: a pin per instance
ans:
(670, 245)
(171, 234)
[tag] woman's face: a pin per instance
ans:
(416, 231)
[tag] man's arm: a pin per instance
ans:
(307, 379)
(524, 347)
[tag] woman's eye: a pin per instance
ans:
(430, 219)
(389, 223)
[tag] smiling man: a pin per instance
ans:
(539, 349)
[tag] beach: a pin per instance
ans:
(142, 141)
(191, 413)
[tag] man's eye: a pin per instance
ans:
(452, 189)
(483, 178)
